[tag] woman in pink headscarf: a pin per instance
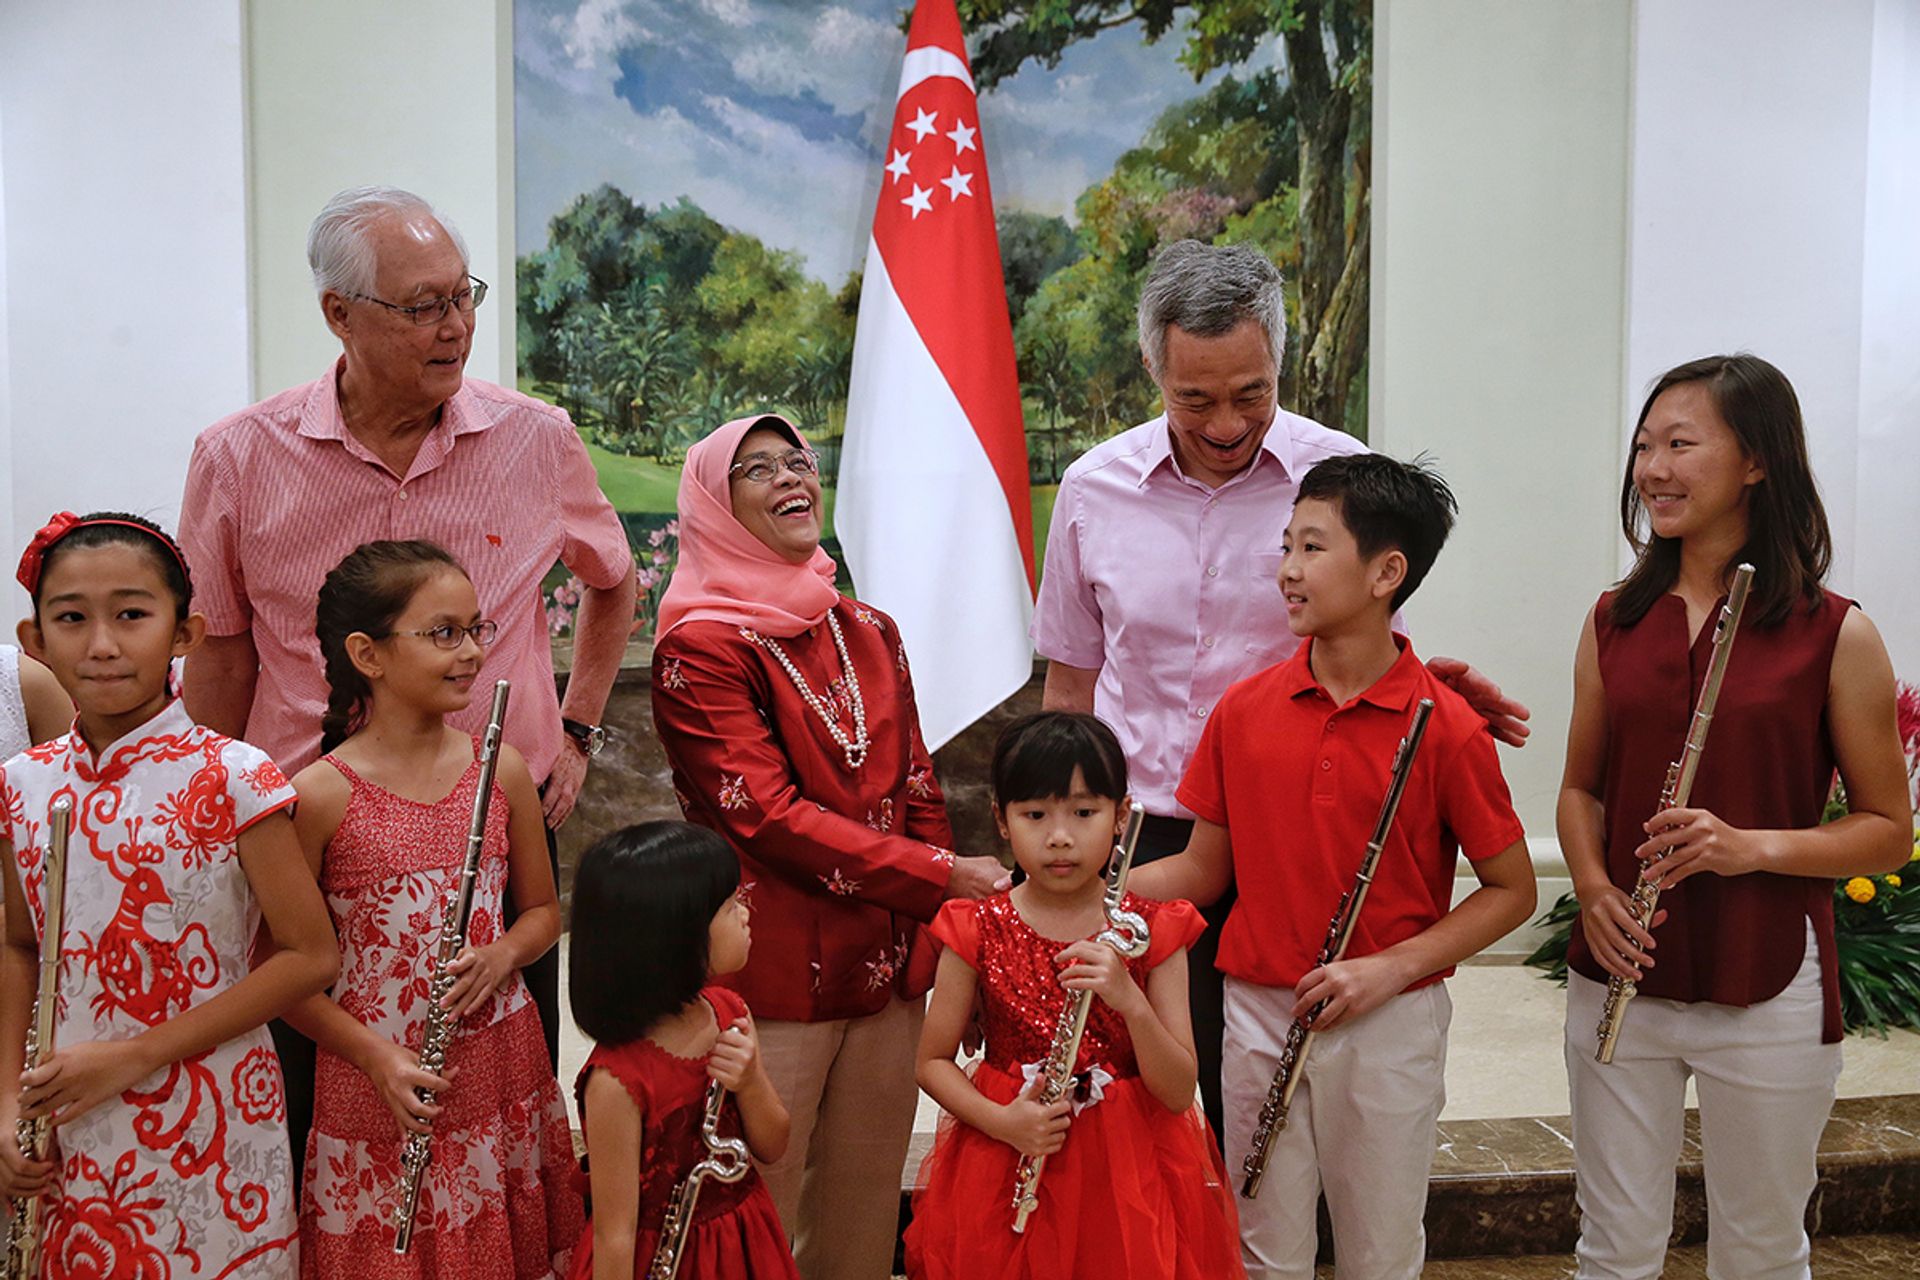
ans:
(787, 714)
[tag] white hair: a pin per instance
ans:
(1209, 290)
(338, 249)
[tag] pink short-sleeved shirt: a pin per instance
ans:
(279, 493)
(1169, 587)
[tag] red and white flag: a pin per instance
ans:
(933, 511)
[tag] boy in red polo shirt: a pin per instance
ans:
(1287, 783)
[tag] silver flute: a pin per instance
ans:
(726, 1161)
(1126, 932)
(1293, 1056)
(453, 940)
(23, 1230)
(1674, 794)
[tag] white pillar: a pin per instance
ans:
(355, 92)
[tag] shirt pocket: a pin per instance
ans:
(1263, 612)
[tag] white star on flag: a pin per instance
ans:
(898, 168)
(921, 201)
(962, 138)
(957, 184)
(923, 124)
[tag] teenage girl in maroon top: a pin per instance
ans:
(1737, 979)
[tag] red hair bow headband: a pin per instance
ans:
(51, 532)
(34, 558)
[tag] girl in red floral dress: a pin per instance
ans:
(658, 912)
(1133, 1187)
(169, 1153)
(384, 819)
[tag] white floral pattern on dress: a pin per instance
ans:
(920, 782)
(733, 792)
(941, 857)
(868, 616)
(671, 676)
(840, 884)
(883, 820)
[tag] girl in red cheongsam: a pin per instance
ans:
(169, 1152)
(384, 817)
(1132, 1187)
(658, 913)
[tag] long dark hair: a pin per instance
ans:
(366, 592)
(1788, 542)
(643, 899)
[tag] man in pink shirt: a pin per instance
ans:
(1160, 587)
(395, 442)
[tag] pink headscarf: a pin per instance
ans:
(726, 574)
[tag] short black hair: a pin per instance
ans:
(643, 898)
(122, 528)
(1036, 755)
(1387, 505)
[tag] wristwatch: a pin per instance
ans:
(590, 738)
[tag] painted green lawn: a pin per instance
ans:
(644, 485)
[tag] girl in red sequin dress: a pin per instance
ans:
(384, 818)
(1133, 1187)
(658, 912)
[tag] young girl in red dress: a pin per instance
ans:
(658, 913)
(385, 817)
(1738, 986)
(1133, 1187)
(169, 1151)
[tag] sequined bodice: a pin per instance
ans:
(1021, 996)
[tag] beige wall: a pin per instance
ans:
(416, 95)
(1500, 158)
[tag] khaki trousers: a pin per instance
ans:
(1361, 1130)
(1766, 1084)
(850, 1088)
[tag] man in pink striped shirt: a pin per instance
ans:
(395, 442)
(1161, 581)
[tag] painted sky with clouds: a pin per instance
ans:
(770, 114)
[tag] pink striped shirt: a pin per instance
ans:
(1170, 588)
(279, 493)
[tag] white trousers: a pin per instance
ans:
(1765, 1084)
(1361, 1129)
(849, 1086)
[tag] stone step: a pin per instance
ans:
(1504, 1188)
(1868, 1257)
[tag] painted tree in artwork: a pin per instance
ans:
(1324, 102)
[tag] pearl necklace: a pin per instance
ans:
(854, 747)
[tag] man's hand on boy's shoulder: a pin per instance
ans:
(1506, 717)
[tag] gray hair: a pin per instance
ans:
(1209, 290)
(338, 250)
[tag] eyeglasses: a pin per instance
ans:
(434, 310)
(448, 636)
(761, 468)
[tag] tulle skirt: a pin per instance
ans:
(1137, 1193)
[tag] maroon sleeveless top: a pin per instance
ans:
(1768, 764)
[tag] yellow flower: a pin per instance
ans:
(1860, 889)
(1893, 881)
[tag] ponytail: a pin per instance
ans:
(365, 593)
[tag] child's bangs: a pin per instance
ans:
(1036, 758)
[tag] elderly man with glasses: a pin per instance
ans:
(394, 441)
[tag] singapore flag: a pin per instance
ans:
(933, 513)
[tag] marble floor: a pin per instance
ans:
(1504, 1054)
(1875, 1257)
